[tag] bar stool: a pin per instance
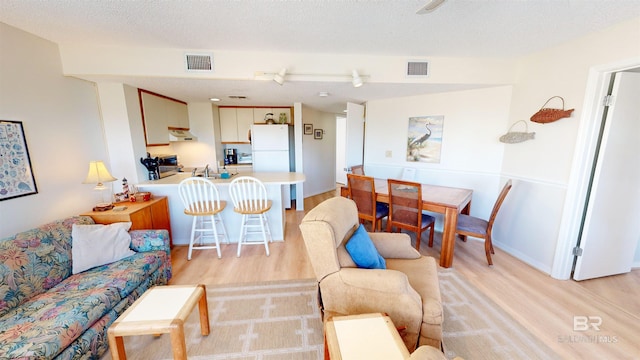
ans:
(201, 200)
(249, 196)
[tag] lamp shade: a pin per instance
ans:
(98, 174)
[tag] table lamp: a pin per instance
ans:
(98, 174)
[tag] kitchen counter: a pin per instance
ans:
(181, 223)
(279, 178)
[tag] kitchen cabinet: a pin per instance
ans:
(144, 215)
(178, 115)
(235, 124)
(259, 114)
(159, 113)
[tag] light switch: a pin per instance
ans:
(388, 153)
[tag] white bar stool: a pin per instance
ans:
(201, 200)
(249, 196)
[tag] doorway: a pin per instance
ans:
(582, 168)
(349, 141)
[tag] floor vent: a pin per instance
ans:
(199, 62)
(417, 68)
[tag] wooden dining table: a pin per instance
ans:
(446, 200)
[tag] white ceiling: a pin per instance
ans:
(459, 28)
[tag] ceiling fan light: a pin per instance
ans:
(279, 77)
(430, 6)
(357, 80)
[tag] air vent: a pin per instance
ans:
(417, 69)
(241, 97)
(199, 62)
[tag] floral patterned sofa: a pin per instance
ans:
(48, 313)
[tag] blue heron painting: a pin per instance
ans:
(424, 139)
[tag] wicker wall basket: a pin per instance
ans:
(547, 115)
(512, 137)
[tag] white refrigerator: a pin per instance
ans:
(272, 152)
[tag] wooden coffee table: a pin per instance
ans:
(161, 309)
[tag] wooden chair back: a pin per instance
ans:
(357, 169)
(496, 207)
(405, 204)
(362, 192)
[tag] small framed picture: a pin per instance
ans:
(308, 129)
(317, 134)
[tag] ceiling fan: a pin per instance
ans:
(430, 6)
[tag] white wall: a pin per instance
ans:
(62, 126)
(319, 155)
(543, 166)
(471, 154)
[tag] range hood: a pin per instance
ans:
(181, 135)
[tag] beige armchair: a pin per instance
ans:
(408, 290)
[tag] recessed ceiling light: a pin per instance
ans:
(323, 94)
(214, 99)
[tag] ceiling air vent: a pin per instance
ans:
(199, 62)
(417, 69)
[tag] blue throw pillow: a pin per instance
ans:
(363, 252)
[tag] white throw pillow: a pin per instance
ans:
(95, 245)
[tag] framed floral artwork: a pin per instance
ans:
(15, 164)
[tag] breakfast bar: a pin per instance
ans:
(181, 223)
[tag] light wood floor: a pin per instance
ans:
(542, 304)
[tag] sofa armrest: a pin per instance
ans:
(394, 245)
(150, 240)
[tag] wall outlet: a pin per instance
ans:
(388, 153)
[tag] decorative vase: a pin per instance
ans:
(283, 118)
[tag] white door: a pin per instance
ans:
(354, 140)
(611, 230)
(341, 141)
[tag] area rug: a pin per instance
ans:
(281, 321)
(265, 321)
(476, 328)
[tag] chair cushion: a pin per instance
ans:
(382, 210)
(472, 224)
(363, 252)
(427, 219)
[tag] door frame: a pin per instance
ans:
(596, 89)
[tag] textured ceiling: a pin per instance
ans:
(459, 28)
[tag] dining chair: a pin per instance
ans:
(201, 200)
(249, 196)
(357, 169)
(405, 209)
(480, 228)
(362, 190)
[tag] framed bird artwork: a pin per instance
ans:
(424, 138)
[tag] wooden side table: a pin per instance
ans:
(366, 336)
(143, 215)
(161, 309)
